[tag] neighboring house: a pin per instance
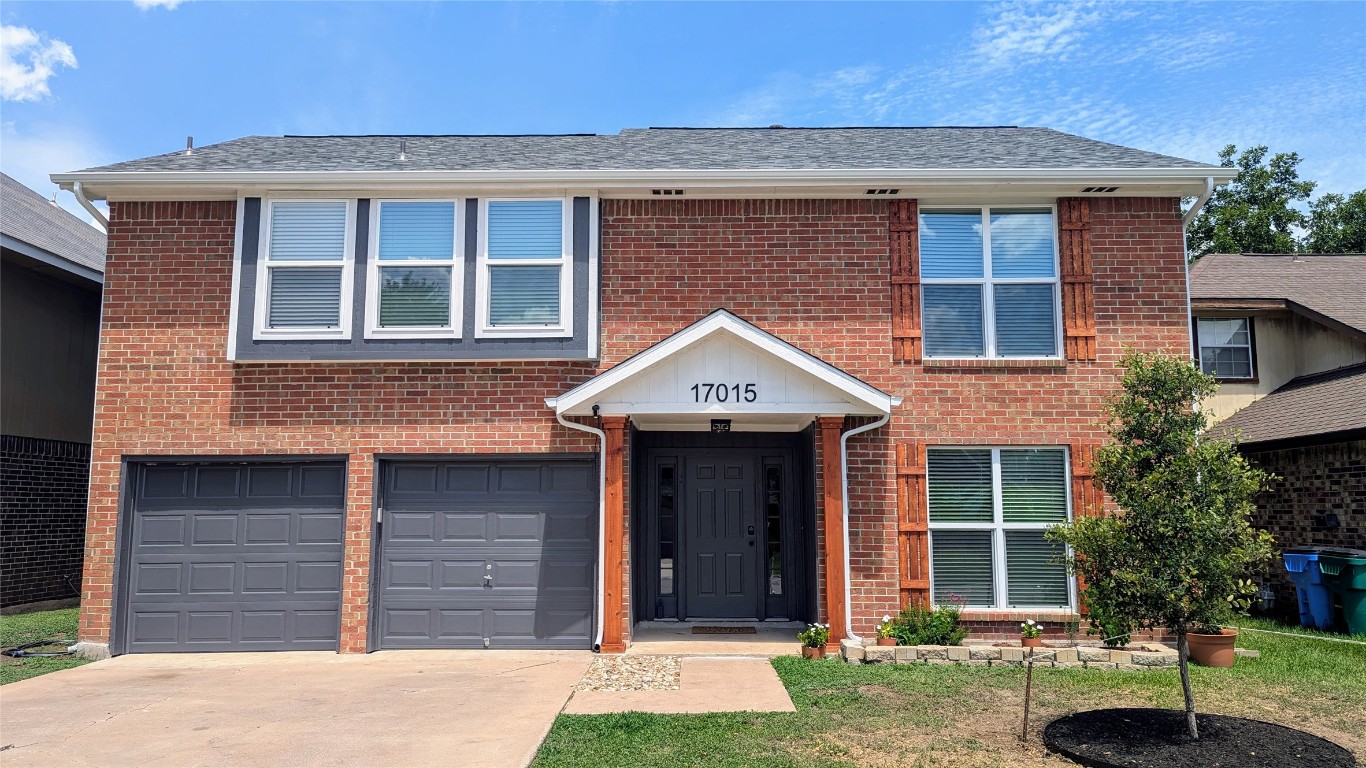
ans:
(1286, 338)
(369, 392)
(51, 269)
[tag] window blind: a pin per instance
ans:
(416, 230)
(951, 244)
(959, 486)
(1033, 486)
(1026, 320)
(524, 295)
(1022, 244)
(304, 297)
(961, 567)
(952, 321)
(415, 297)
(307, 231)
(525, 229)
(1035, 576)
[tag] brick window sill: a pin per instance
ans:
(992, 363)
(1045, 615)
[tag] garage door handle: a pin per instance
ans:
(488, 580)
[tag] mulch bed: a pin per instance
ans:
(1127, 738)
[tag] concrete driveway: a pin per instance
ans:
(394, 708)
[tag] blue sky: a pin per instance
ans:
(89, 83)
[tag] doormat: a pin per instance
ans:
(724, 631)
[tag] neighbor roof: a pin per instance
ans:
(1331, 285)
(1324, 403)
(669, 148)
(31, 218)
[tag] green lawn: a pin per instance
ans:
(22, 628)
(967, 716)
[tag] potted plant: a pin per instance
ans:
(885, 634)
(1031, 634)
(813, 640)
(1211, 645)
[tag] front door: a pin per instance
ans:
(721, 576)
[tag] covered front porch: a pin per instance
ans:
(724, 480)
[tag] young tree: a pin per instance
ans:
(1177, 554)
(1337, 224)
(1253, 213)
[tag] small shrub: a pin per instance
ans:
(1030, 629)
(815, 635)
(918, 625)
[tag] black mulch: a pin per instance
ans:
(1133, 738)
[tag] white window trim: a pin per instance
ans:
(998, 528)
(986, 281)
(1251, 358)
(260, 331)
(565, 328)
(373, 330)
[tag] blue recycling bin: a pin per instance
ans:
(1315, 598)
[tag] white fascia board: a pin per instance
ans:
(721, 320)
(105, 181)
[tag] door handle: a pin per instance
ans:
(751, 542)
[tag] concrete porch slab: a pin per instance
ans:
(706, 684)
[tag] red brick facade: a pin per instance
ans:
(812, 272)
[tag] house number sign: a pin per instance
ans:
(710, 392)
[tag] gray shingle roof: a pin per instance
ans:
(28, 216)
(670, 148)
(1333, 285)
(1323, 403)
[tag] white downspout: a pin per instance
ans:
(89, 206)
(1186, 219)
(602, 515)
(844, 495)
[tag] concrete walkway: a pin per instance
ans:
(394, 708)
(706, 684)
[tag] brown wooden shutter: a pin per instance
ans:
(904, 243)
(1074, 254)
(1088, 500)
(913, 524)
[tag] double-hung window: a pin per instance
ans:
(525, 269)
(989, 278)
(989, 508)
(1225, 347)
(304, 272)
(414, 277)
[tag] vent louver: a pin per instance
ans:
(666, 192)
(1099, 189)
(883, 192)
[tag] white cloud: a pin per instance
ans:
(1028, 32)
(28, 60)
(30, 156)
(147, 5)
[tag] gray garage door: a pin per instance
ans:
(235, 557)
(488, 554)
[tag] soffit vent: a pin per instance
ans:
(667, 192)
(1099, 189)
(883, 192)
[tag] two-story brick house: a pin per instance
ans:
(375, 392)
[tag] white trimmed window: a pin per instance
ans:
(525, 271)
(1225, 347)
(413, 281)
(303, 284)
(989, 282)
(989, 508)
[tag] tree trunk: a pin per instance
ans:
(1183, 659)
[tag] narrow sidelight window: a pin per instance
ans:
(668, 527)
(413, 287)
(525, 269)
(989, 279)
(303, 278)
(989, 508)
(773, 518)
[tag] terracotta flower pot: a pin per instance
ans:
(812, 653)
(886, 641)
(1031, 642)
(1213, 650)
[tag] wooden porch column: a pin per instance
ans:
(613, 618)
(832, 476)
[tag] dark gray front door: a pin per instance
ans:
(721, 573)
(235, 557)
(487, 553)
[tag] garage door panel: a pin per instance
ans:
(236, 557)
(530, 525)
